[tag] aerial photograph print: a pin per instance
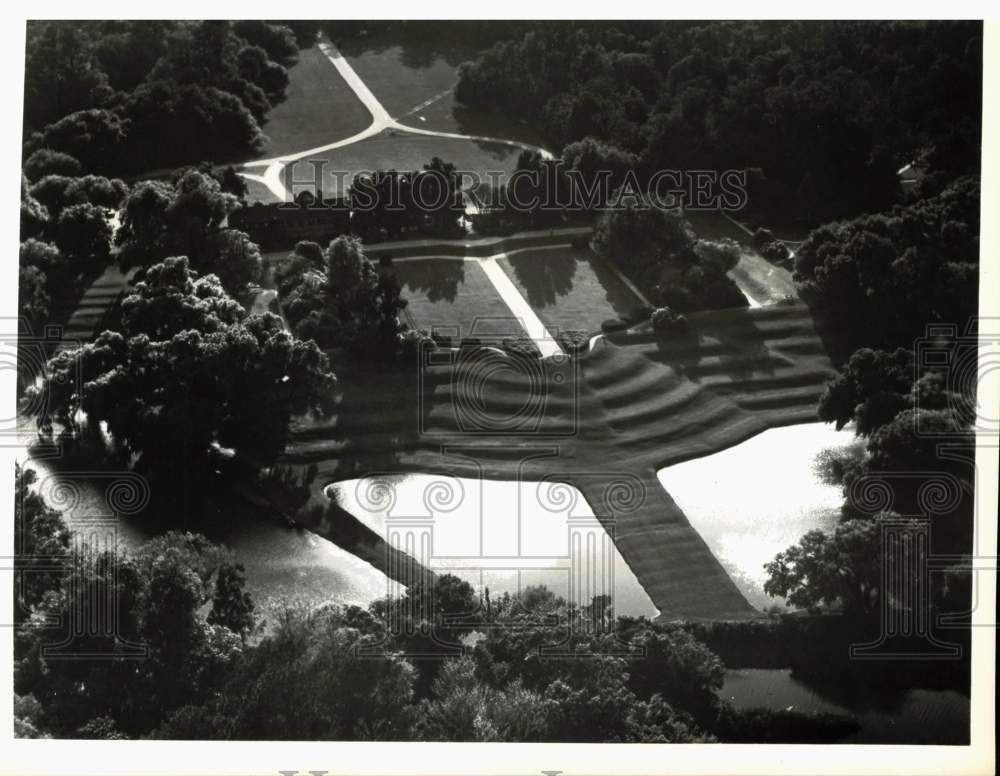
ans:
(500, 380)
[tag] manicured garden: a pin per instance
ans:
(569, 288)
(454, 297)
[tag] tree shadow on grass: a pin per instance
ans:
(727, 342)
(421, 41)
(437, 279)
(544, 276)
(617, 295)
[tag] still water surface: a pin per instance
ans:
(911, 717)
(754, 500)
(497, 534)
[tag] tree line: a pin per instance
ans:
(125, 97)
(493, 668)
(820, 114)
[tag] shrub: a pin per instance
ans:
(761, 238)
(573, 341)
(666, 321)
(520, 346)
(612, 325)
(412, 341)
(776, 251)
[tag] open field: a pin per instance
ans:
(392, 150)
(415, 81)
(569, 288)
(319, 108)
(454, 297)
(605, 423)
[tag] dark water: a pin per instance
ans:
(283, 565)
(910, 717)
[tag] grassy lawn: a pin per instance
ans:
(711, 225)
(569, 288)
(454, 297)
(406, 75)
(402, 77)
(319, 108)
(258, 192)
(392, 150)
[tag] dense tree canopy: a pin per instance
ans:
(160, 220)
(811, 105)
(164, 602)
(189, 370)
(339, 298)
(334, 672)
(884, 277)
(660, 252)
(123, 96)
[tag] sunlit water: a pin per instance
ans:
(911, 717)
(498, 535)
(754, 500)
(283, 565)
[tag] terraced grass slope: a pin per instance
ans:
(604, 423)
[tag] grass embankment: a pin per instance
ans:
(604, 423)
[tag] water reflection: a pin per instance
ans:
(500, 535)
(754, 500)
(916, 716)
(282, 564)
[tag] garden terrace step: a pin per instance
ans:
(679, 399)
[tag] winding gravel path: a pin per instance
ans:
(381, 121)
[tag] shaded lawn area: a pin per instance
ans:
(408, 74)
(455, 298)
(258, 192)
(319, 108)
(404, 76)
(569, 288)
(392, 150)
(712, 225)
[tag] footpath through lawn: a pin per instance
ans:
(319, 108)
